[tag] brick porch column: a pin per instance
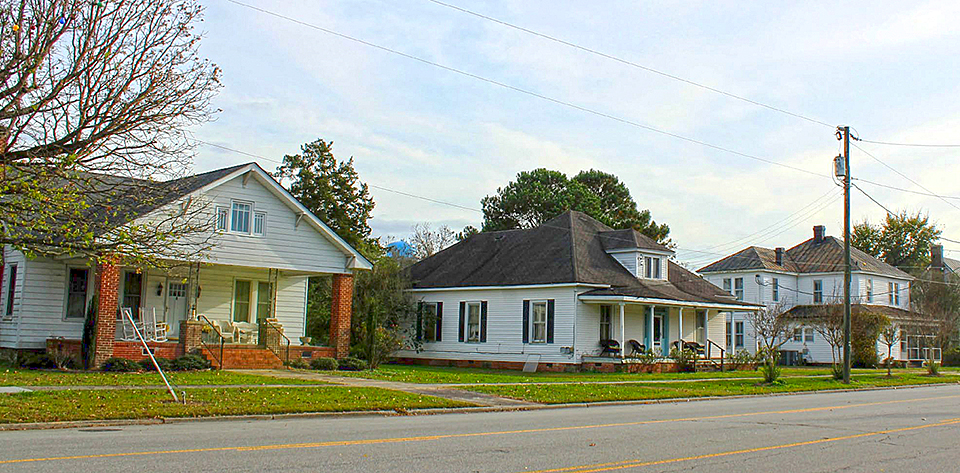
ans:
(105, 324)
(341, 308)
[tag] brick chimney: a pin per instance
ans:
(936, 257)
(779, 252)
(818, 233)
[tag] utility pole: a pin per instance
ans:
(846, 254)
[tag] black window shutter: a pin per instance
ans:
(463, 310)
(439, 321)
(526, 321)
(419, 321)
(550, 304)
(483, 321)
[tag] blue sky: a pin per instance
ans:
(888, 69)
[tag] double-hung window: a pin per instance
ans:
(869, 290)
(429, 318)
(776, 290)
(259, 219)
(738, 334)
(605, 331)
(727, 287)
(808, 334)
(11, 290)
(738, 288)
(241, 301)
(818, 291)
(473, 321)
(264, 300)
(221, 219)
(77, 293)
(651, 267)
(539, 309)
(798, 334)
(240, 217)
(729, 334)
(896, 293)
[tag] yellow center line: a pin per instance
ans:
(621, 465)
(343, 443)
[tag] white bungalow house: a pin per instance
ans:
(570, 293)
(806, 275)
(265, 244)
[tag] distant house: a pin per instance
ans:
(249, 288)
(810, 274)
(567, 293)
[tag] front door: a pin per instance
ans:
(176, 306)
(657, 333)
(702, 327)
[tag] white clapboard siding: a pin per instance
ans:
(8, 325)
(504, 326)
(629, 260)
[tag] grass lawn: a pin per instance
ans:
(21, 377)
(152, 403)
(448, 375)
(570, 393)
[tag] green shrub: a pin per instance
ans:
(951, 357)
(297, 364)
(324, 364)
(686, 360)
(352, 364)
(742, 360)
(165, 364)
(933, 368)
(38, 361)
(191, 363)
(119, 365)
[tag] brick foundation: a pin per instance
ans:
(664, 367)
(105, 324)
(121, 349)
(340, 313)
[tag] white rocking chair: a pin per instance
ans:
(159, 328)
(129, 330)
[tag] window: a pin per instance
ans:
(539, 310)
(264, 300)
(429, 315)
(473, 321)
(221, 219)
(776, 289)
(729, 334)
(258, 219)
(726, 286)
(818, 291)
(738, 288)
(241, 301)
(11, 289)
(605, 331)
(738, 334)
(240, 217)
(77, 292)
(896, 293)
(808, 335)
(798, 334)
(132, 292)
(652, 267)
(869, 290)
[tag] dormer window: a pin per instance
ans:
(240, 218)
(651, 267)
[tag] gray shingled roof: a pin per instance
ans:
(568, 249)
(813, 311)
(808, 257)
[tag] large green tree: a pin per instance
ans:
(539, 195)
(902, 240)
(332, 190)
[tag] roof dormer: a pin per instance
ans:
(638, 253)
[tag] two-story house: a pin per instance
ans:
(807, 274)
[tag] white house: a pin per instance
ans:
(810, 273)
(557, 294)
(265, 244)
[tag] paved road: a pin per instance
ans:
(901, 430)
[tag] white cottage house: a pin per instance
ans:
(265, 244)
(810, 274)
(567, 294)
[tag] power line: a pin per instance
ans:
(630, 63)
(905, 176)
(525, 91)
(919, 145)
(874, 200)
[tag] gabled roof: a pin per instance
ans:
(629, 238)
(952, 265)
(811, 256)
(567, 249)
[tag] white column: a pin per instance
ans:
(623, 342)
(650, 329)
(680, 331)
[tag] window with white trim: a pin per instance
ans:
(473, 321)
(429, 317)
(798, 334)
(605, 331)
(264, 300)
(259, 219)
(896, 293)
(738, 334)
(539, 309)
(818, 291)
(241, 301)
(729, 330)
(869, 290)
(222, 217)
(11, 290)
(240, 217)
(727, 286)
(651, 267)
(738, 288)
(77, 282)
(776, 289)
(808, 335)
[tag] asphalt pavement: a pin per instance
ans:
(915, 429)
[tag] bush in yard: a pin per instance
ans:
(297, 364)
(741, 360)
(165, 364)
(837, 371)
(686, 359)
(324, 364)
(119, 365)
(38, 361)
(933, 368)
(191, 363)
(352, 364)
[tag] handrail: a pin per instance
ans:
(710, 345)
(285, 357)
(219, 335)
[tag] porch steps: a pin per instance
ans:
(243, 357)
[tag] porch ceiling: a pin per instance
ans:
(631, 300)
